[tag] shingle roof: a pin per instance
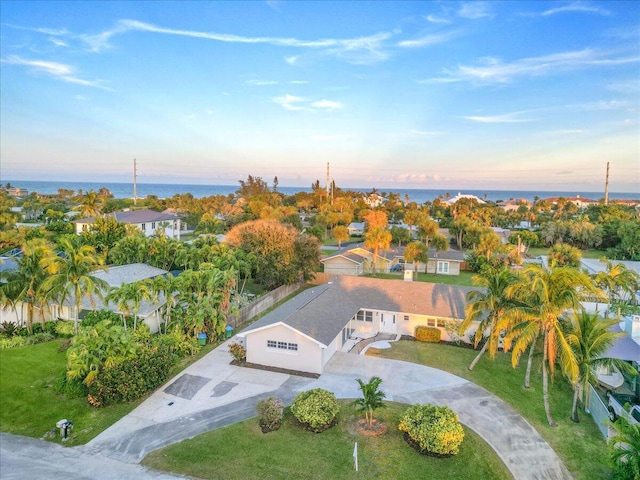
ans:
(321, 312)
(134, 216)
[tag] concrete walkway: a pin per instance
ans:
(211, 393)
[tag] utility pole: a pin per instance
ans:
(606, 187)
(135, 182)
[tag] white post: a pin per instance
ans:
(355, 456)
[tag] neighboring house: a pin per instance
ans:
(16, 192)
(577, 201)
(358, 261)
(304, 333)
(147, 221)
(374, 200)
(460, 196)
(356, 229)
(513, 205)
(149, 312)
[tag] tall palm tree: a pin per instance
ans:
(544, 296)
(377, 238)
(488, 306)
(372, 398)
(414, 252)
(590, 337)
(129, 297)
(166, 286)
(25, 283)
(71, 275)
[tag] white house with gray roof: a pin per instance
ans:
(304, 333)
(149, 222)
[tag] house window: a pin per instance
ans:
(443, 267)
(153, 225)
(292, 347)
(368, 316)
(406, 318)
(435, 322)
(360, 316)
(143, 226)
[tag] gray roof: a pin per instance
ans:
(134, 216)
(322, 312)
(354, 257)
(116, 276)
(595, 266)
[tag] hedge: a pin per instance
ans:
(432, 429)
(316, 409)
(428, 334)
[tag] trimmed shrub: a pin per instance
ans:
(270, 410)
(316, 409)
(428, 334)
(432, 430)
(12, 342)
(130, 379)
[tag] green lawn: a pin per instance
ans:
(29, 405)
(464, 279)
(581, 446)
(242, 451)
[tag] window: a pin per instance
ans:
(360, 316)
(435, 322)
(368, 316)
(153, 225)
(292, 347)
(143, 226)
(406, 318)
(443, 267)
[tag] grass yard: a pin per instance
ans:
(464, 279)
(242, 451)
(29, 405)
(581, 446)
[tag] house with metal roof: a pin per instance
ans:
(304, 333)
(149, 222)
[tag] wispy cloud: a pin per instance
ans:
(493, 70)
(261, 82)
(290, 102)
(428, 40)
(425, 133)
(298, 82)
(475, 10)
(366, 49)
(59, 71)
(514, 117)
(291, 60)
(327, 105)
(434, 19)
(295, 103)
(582, 7)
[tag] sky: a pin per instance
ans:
(443, 94)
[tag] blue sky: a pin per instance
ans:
(495, 95)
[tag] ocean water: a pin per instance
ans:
(161, 190)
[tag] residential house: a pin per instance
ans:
(460, 196)
(577, 201)
(356, 229)
(513, 205)
(303, 333)
(147, 221)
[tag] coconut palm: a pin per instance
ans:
(166, 286)
(544, 296)
(415, 252)
(129, 298)
(617, 280)
(488, 306)
(377, 238)
(25, 283)
(71, 275)
(590, 337)
(625, 449)
(372, 398)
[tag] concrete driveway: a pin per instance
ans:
(211, 393)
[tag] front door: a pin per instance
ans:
(387, 323)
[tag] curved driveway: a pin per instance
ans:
(212, 393)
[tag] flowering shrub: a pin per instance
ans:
(316, 409)
(427, 334)
(238, 352)
(270, 411)
(432, 430)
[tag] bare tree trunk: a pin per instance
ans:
(574, 407)
(482, 350)
(527, 375)
(545, 384)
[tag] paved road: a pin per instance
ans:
(212, 393)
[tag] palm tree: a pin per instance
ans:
(71, 275)
(372, 398)
(25, 283)
(129, 297)
(340, 233)
(377, 238)
(617, 279)
(91, 205)
(590, 337)
(414, 252)
(544, 296)
(167, 286)
(625, 449)
(488, 306)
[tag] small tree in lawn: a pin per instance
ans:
(372, 398)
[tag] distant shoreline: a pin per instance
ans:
(167, 190)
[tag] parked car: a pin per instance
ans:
(398, 267)
(617, 408)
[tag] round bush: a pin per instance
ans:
(316, 409)
(432, 430)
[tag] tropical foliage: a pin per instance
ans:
(372, 398)
(433, 429)
(316, 409)
(625, 450)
